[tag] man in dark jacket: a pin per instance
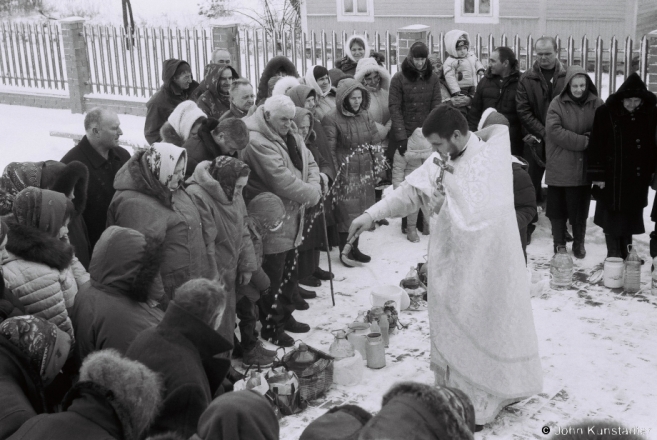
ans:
(497, 89)
(99, 150)
(178, 86)
(537, 87)
(182, 349)
(242, 100)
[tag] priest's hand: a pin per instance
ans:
(361, 224)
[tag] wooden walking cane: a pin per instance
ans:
(328, 254)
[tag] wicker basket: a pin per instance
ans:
(316, 379)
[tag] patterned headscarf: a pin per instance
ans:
(42, 209)
(227, 171)
(45, 345)
(162, 159)
(3, 231)
(16, 177)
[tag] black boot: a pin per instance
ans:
(558, 233)
(358, 255)
(579, 232)
(403, 225)
(653, 244)
(613, 246)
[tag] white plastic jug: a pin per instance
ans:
(613, 272)
(380, 295)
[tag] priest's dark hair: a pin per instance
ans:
(444, 120)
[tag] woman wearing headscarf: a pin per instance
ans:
(278, 66)
(622, 156)
(351, 134)
(212, 95)
(568, 127)
(40, 271)
(356, 48)
(32, 352)
(183, 124)
(317, 77)
(150, 199)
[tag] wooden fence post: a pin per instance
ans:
(652, 61)
(77, 61)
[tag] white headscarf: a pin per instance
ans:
(162, 159)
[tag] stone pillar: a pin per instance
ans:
(408, 35)
(227, 37)
(76, 58)
(652, 62)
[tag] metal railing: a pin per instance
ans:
(31, 56)
(131, 66)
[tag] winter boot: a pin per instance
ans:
(653, 244)
(411, 235)
(294, 326)
(578, 243)
(558, 233)
(258, 356)
(404, 225)
(358, 255)
(322, 274)
(278, 337)
(307, 294)
(613, 246)
(425, 230)
(310, 281)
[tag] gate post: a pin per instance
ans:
(652, 62)
(408, 35)
(76, 58)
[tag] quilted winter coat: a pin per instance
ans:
(143, 203)
(42, 274)
(354, 136)
(413, 94)
(272, 171)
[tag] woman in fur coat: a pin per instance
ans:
(40, 271)
(277, 66)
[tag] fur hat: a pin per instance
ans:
(137, 390)
(284, 84)
(267, 208)
(490, 116)
(184, 116)
(66, 179)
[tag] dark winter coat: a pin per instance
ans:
(181, 350)
(274, 66)
(565, 141)
(90, 412)
(499, 93)
(100, 188)
(202, 147)
(272, 170)
(532, 99)
(165, 100)
(524, 198)
(353, 135)
(143, 203)
(21, 389)
(413, 94)
(210, 99)
(115, 308)
(623, 151)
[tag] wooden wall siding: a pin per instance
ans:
(586, 9)
(646, 17)
(520, 8)
(322, 7)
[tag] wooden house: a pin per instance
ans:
(593, 18)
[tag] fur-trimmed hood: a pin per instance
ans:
(72, 177)
(274, 65)
(284, 84)
(170, 135)
(368, 65)
(365, 44)
(344, 89)
(411, 72)
(125, 262)
(31, 244)
(136, 175)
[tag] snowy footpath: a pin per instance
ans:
(598, 346)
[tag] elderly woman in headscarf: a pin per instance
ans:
(150, 199)
(213, 93)
(352, 136)
(40, 271)
(32, 352)
(622, 156)
(317, 77)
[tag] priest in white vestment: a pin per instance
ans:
(483, 339)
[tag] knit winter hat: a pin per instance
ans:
(419, 50)
(229, 171)
(45, 345)
(184, 116)
(462, 41)
(162, 159)
(319, 71)
(268, 209)
(490, 116)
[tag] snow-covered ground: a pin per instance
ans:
(598, 346)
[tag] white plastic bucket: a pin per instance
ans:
(380, 295)
(613, 270)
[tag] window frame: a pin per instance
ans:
(461, 17)
(355, 16)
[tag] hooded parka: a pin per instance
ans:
(115, 308)
(352, 136)
(324, 102)
(272, 68)
(165, 100)
(460, 73)
(210, 98)
(272, 171)
(379, 96)
(143, 203)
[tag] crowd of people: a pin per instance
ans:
(123, 276)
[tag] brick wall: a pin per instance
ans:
(408, 35)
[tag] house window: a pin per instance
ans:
(355, 10)
(476, 11)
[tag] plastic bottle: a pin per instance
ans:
(385, 327)
(561, 269)
(654, 276)
(376, 352)
(632, 281)
(375, 328)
